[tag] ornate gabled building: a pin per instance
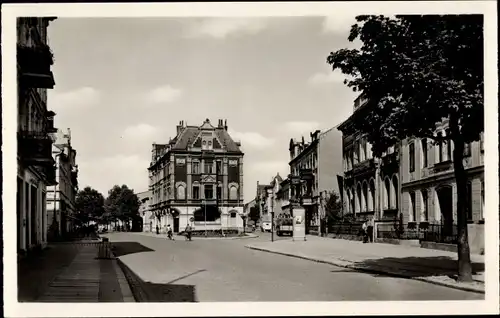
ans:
(35, 125)
(197, 178)
(371, 185)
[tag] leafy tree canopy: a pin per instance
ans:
(333, 206)
(89, 204)
(416, 71)
(122, 203)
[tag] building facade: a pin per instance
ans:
(429, 188)
(148, 219)
(320, 158)
(269, 200)
(36, 168)
(61, 197)
(197, 178)
(371, 187)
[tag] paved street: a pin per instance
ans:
(224, 270)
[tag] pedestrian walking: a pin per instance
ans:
(170, 233)
(157, 229)
(188, 232)
(364, 227)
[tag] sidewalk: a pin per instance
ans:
(70, 272)
(181, 237)
(432, 266)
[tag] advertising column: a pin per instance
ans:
(299, 224)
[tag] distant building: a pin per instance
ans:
(370, 185)
(144, 211)
(322, 158)
(197, 175)
(61, 197)
(35, 166)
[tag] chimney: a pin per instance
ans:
(225, 124)
(179, 127)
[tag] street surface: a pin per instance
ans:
(224, 270)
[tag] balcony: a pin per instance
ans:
(208, 202)
(50, 122)
(390, 162)
(443, 166)
(306, 201)
(35, 148)
(363, 167)
(34, 66)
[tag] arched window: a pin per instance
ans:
(181, 192)
(413, 207)
(360, 200)
(387, 194)
(233, 193)
(372, 195)
(395, 191)
(365, 196)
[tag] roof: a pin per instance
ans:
(189, 134)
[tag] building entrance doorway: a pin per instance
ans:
(176, 224)
(445, 200)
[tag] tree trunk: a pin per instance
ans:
(464, 262)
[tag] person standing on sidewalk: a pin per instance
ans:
(370, 230)
(364, 227)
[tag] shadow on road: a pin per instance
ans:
(125, 248)
(151, 292)
(419, 266)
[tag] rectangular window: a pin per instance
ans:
(482, 199)
(481, 143)
(196, 167)
(196, 192)
(440, 148)
(219, 167)
(219, 193)
(425, 201)
(467, 150)
(413, 207)
(469, 201)
(424, 152)
(412, 157)
(209, 191)
(208, 167)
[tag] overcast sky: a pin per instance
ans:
(124, 83)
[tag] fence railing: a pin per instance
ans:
(438, 233)
(354, 228)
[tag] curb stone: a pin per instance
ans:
(351, 265)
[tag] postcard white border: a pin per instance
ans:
(13, 308)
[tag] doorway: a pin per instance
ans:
(176, 224)
(445, 199)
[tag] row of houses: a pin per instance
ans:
(195, 178)
(46, 169)
(414, 180)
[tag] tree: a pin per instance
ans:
(254, 214)
(418, 72)
(333, 207)
(122, 204)
(89, 204)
